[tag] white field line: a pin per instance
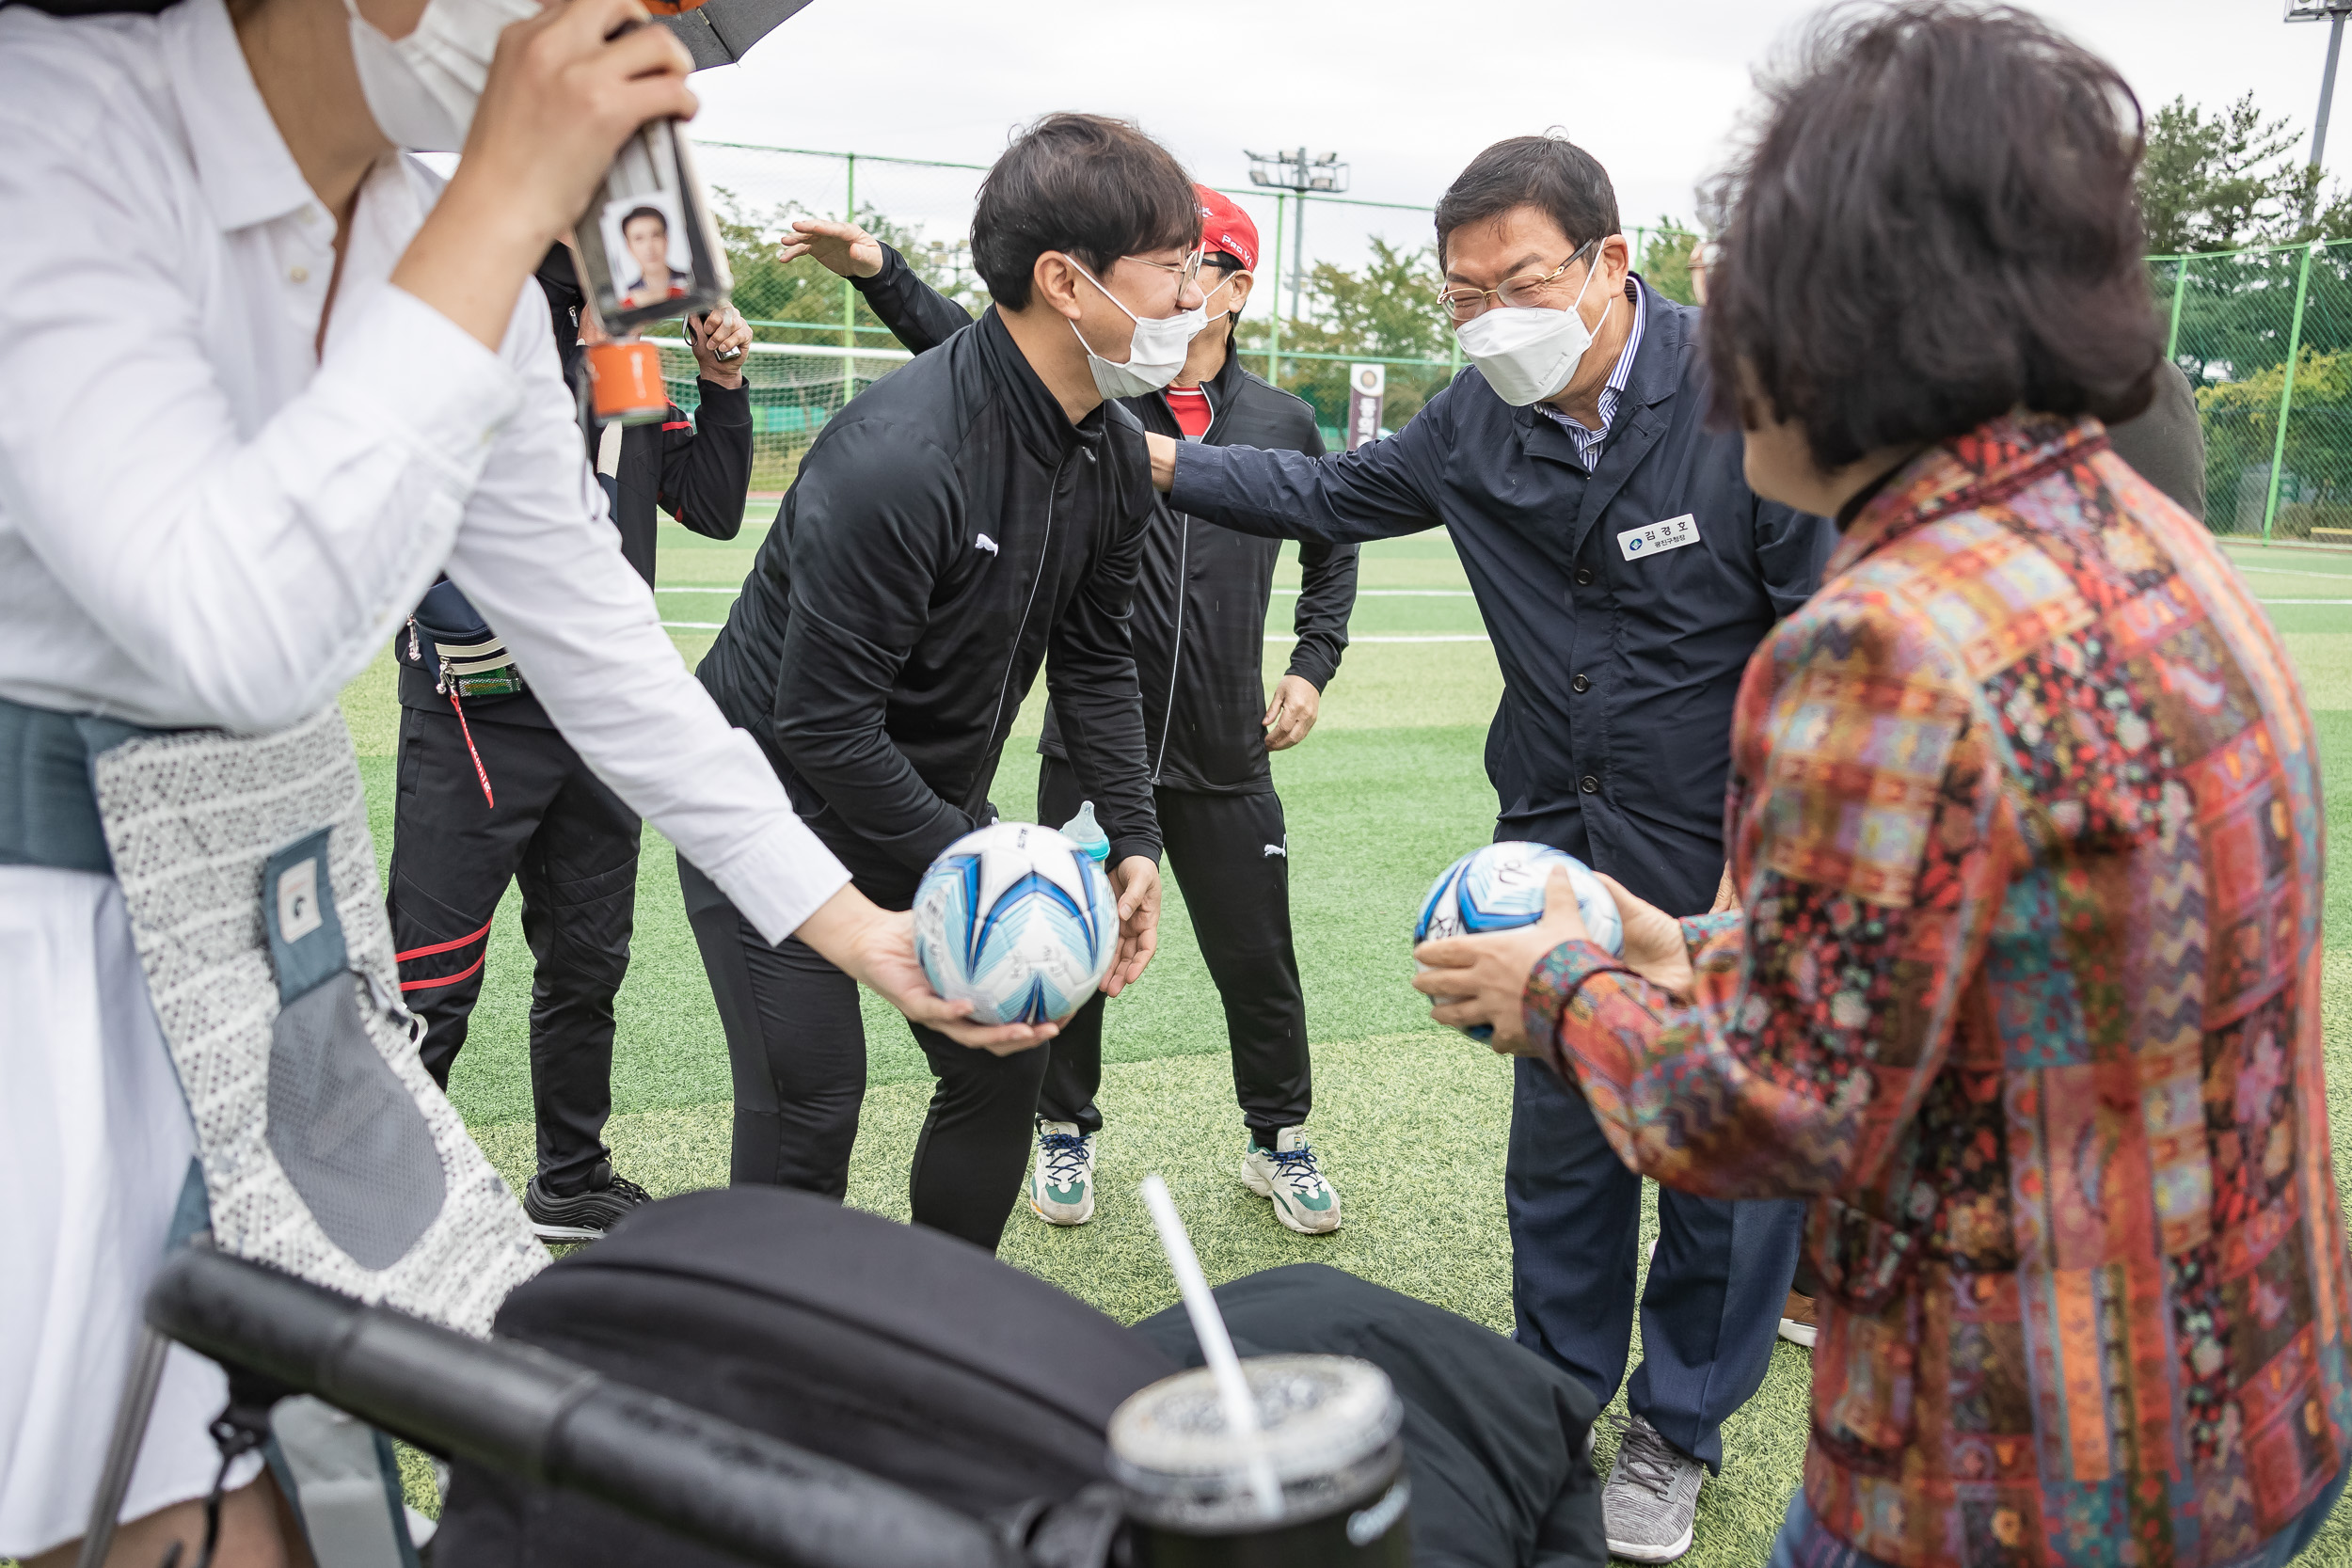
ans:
(2291, 572)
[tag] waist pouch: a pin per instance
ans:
(448, 639)
(326, 1150)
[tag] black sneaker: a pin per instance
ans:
(584, 1217)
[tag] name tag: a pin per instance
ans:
(1672, 535)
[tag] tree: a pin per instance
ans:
(2229, 178)
(1665, 260)
(770, 291)
(1389, 311)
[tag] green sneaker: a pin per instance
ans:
(1286, 1173)
(1061, 1187)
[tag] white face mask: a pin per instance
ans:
(1154, 354)
(1528, 353)
(1212, 293)
(422, 88)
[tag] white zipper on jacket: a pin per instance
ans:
(1184, 556)
(1053, 495)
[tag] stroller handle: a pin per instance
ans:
(519, 1409)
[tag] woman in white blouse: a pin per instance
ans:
(266, 380)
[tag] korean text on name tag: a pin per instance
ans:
(1672, 535)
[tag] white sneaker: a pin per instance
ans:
(1286, 1173)
(1061, 1189)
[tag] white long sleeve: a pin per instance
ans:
(537, 557)
(205, 524)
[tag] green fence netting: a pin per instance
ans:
(2266, 334)
(2266, 338)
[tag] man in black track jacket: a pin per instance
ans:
(973, 514)
(534, 812)
(1199, 634)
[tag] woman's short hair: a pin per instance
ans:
(1934, 225)
(1093, 188)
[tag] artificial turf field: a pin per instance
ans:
(1410, 1120)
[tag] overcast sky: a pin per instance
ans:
(1406, 92)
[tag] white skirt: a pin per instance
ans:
(94, 1149)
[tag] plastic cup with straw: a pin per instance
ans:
(1208, 1326)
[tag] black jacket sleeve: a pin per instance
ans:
(1327, 593)
(1792, 549)
(1090, 678)
(2166, 444)
(1326, 596)
(706, 463)
(917, 315)
(875, 518)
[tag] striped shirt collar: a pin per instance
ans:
(1588, 442)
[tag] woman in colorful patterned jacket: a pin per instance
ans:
(2025, 988)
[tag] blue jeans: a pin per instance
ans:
(1803, 1542)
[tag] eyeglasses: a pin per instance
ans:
(1467, 304)
(1188, 271)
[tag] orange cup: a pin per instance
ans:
(626, 382)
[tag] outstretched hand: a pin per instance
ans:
(1136, 880)
(841, 248)
(876, 948)
(1483, 979)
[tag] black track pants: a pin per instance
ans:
(798, 1048)
(558, 830)
(1230, 855)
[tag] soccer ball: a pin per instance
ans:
(1017, 918)
(1499, 886)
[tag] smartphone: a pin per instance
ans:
(647, 245)
(700, 322)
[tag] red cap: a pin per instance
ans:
(1225, 227)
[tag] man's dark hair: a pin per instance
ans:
(654, 213)
(1934, 225)
(1548, 173)
(1094, 187)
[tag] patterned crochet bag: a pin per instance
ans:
(328, 1151)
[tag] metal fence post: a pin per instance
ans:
(2287, 389)
(848, 293)
(1274, 316)
(2180, 288)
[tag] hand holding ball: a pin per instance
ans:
(1018, 920)
(1499, 887)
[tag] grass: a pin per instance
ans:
(1388, 789)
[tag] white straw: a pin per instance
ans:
(1208, 1326)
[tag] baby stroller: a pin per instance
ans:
(753, 1375)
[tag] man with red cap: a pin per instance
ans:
(1199, 625)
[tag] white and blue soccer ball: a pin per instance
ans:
(1498, 887)
(1017, 918)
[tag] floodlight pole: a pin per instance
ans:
(2327, 89)
(2335, 11)
(1297, 172)
(1299, 228)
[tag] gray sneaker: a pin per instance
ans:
(1652, 1498)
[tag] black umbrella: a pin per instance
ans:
(720, 32)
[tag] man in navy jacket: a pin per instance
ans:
(1625, 572)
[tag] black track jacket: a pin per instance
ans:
(949, 530)
(1202, 592)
